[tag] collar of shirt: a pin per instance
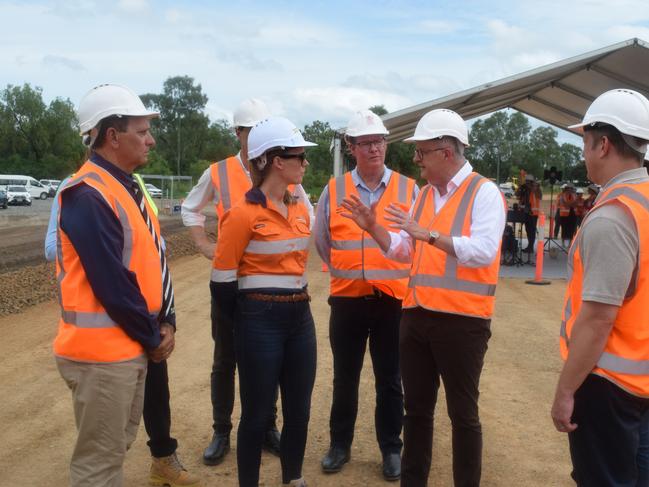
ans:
(238, 156)
(257, 197)
(123, 177)
(452, 185)
(631, 175)
(358, 181)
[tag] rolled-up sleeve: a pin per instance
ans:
(321, 227)
(201, 195)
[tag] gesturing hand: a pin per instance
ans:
(402, 220)
(364, 216)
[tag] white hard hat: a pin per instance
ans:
(249, 112)
(365, 122)
(529, 177)
(274, 132)
(593, 187)
(106, 100)
(580, 190)
(626, 110)
(439, 123)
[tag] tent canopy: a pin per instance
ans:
(558, 94)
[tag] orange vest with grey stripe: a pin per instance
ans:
(357, 263)
(437, 281)
(625, 360)
(86, 332)
(232, 181)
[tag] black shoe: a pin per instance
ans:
(271, 442)
(334, 460)
(391, 466)
(217, 449)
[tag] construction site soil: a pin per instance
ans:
(521, 447)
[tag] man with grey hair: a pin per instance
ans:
(452, 238)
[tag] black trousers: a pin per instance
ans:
(530, 229)
(434, 345)
(604, 446)
(352, 322)
(275, 344)
(224, 304)
(156, 412)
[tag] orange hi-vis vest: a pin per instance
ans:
(625, 360)
(86, 332)
(535, 203)
(232, 181)
(437, 281)
(563, 201)
(357, 263)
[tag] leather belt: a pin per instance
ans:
(280, 298)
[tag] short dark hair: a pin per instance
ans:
(614, 136)
(119, 123)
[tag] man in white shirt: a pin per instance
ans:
(452, 237)
(223, 184)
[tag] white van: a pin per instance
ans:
(35, 189)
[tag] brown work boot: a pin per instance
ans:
(168, 471)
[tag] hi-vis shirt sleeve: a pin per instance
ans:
(234, 235)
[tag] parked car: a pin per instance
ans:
(153, 191)
(3, 199)
(507, 189)
(18, 195)
(35, 188)
(51, 184)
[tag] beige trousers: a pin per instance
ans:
(107, 400)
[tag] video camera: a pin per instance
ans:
(552, 175)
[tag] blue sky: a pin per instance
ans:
(307, 60)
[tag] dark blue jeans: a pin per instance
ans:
(275, 343)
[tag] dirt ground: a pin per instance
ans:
(521, 447)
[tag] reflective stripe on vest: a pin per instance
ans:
(86, 332)
(277, 246)
(223, 276)
(625, 359)
(232, 182)
(357, 263)
(458, 290)
(272, 281)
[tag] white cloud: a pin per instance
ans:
(437, 27)
(57, 61)
(132, 6)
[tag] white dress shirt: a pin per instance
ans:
(205, 193)
(487, 225)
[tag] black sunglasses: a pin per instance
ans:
(301, 156)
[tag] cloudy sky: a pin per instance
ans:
(307, 60)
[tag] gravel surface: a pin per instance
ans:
(27, 279)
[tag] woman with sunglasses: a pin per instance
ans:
(263, 240)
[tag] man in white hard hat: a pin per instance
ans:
(602, 394)
(223, 184)
(116, 296)
(365, 295)
(452, 236)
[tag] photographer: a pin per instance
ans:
(529, 198)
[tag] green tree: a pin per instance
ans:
(182, 130)
(37, 139)
(320, 157)
(498, 143)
